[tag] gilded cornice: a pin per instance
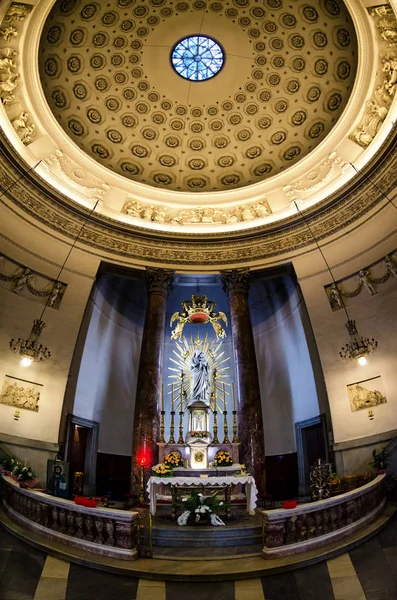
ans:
(288, 237)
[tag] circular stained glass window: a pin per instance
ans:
(197, 58)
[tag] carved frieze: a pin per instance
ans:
(266, 240)
(21, 394)
(197, 215)
(341, 292)
(386, 77)
(22, 280)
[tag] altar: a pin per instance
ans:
(155, 484)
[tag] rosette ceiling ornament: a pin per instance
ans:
(114, 77)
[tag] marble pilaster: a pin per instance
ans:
(250, 424)
(148, 394)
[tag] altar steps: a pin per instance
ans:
(242, 534)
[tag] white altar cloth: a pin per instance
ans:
(154, 483)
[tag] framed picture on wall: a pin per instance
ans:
(57, 478)
(366, 393)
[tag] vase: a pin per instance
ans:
(29, 483)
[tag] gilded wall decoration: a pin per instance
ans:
(386, 77)
(20, 393)
(21, 280)
(366, 394)
(365, 280)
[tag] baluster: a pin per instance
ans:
(89, 528)
(110, 533)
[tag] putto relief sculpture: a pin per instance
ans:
(198, 215)
(386, 79)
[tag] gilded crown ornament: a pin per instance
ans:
(198, 311)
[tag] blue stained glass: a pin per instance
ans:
(197, 58)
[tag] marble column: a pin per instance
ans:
(249, 408)
(148, 393)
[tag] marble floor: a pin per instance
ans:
(368, 572)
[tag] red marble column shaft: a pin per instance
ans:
(148, 393)
(249, 408)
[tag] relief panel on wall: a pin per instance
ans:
(20, 393)
(366, 393)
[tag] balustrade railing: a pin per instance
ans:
(99, 530)
(288, 531)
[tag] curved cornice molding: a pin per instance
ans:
(313, 180)
(33, 198)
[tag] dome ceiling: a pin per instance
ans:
(107, 76)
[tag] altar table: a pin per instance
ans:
(154, 484)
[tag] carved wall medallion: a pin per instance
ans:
(20, 393)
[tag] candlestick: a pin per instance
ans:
(225, 428)
(233, 396)
(162, 439)
(172, 428)
(181, 440)
(224, 397)
(162, 397)
(215, 440)
(172, 397)
(235, 438)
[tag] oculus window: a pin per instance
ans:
(197, 58)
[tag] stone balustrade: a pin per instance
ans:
(287, 531)
(99, 530)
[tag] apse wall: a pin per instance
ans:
(183, 288)
(355, 434)
(34, 437)
(107, 375)
(288, 385)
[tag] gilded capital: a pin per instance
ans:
(159, 280)
(236, 280)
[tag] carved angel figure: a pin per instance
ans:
(335, 296)
(8, 32)
(24, 130)
(261, 209)
(22, 276)
(17, 12)
(182, 319)
(132, 208)
(369, 127)
(219, 331)
(56, 294)
(366, 282)
(391, 266)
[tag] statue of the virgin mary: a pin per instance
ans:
(201, 377)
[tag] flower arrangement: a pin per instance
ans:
(174, 460)
(162, 470)
(198, 434)
(223, 459)
(7, 462)
(379, 460)
(21, 472)
(199, 507)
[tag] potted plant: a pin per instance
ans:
(200, 509)
(379, 460)
(8, 463)
(24, 475)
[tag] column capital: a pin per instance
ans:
(159, 280)
(236, 280)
